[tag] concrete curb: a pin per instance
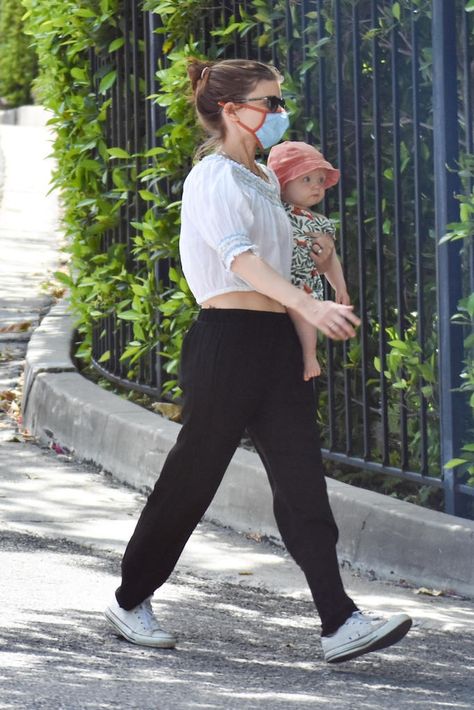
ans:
(397, 540)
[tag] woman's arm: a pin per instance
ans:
(334, 320)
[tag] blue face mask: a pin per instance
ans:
(272, 128)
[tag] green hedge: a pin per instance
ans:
(18, 62)
(63, 33)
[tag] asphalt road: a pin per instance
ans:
(239, 648)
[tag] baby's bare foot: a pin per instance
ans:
(311, 368)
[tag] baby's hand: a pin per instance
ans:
(311, 368)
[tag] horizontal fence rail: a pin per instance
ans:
(395, 122)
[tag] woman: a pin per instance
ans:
(241, 368)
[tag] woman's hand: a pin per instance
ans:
(322, 250)
(333, 319)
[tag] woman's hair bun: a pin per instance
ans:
(196, 71)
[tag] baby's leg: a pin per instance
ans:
(307, 335)
(312, 367)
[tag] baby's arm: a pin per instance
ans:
(335, 276)
(307, 335)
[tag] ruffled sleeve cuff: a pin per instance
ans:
(231, 246)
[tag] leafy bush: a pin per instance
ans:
(64, 33)
(18, 63)
(464, 230)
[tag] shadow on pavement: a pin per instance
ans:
(238, 648)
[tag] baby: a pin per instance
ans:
(304, 177)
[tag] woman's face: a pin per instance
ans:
(247, 114)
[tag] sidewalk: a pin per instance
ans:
(241, 608)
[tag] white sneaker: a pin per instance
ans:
(139, 625)
(363, 633)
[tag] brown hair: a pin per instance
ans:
(227, 80)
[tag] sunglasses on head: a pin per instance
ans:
(273, 102)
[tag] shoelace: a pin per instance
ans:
(358, 618)
(146, 616)
(364, 616)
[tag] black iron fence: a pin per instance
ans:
(386, 93)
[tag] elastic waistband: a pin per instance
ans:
(241, 315)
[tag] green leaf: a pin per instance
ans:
(139, 290)
(234, 27)
(79, 74)
(399, 345)
(173, 275)
(155, 151)
(470, 6)
(465, 212)
(427, 372)
(64, 278)
(452, 463)
(445, 238)
(138, 332)
(387, 226)
(396, 10)
(84, 12)
(118, 153)
(116, 44)
(469, 305)
(107, 81)
(148, 196)
(129, 315)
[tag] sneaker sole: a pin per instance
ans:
(133, 638)
(391, 636)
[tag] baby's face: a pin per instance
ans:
(306, 190)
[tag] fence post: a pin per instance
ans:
(449, 276)
(153, 53)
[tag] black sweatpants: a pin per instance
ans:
(241, 370)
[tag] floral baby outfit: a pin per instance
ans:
(304, 273)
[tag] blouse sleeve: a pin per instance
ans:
(220, 209)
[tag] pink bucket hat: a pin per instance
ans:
(292, 159)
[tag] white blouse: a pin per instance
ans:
(227, 210)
